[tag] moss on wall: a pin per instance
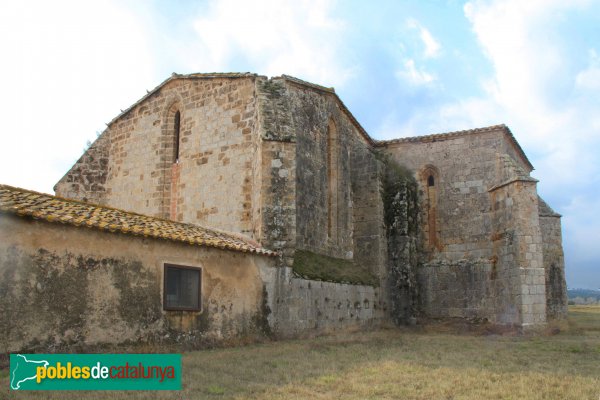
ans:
(400, 195)
(140, 303)
(400, 200)
(315, 266)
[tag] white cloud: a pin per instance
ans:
(274, 37)
(521, 40)
(590, 77)
(463, 114)
(432, 46)
(67, 68)
(558, 131)
(528, 61)
(580, 229)
(413, 75)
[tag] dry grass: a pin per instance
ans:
(392, 364)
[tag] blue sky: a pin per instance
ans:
(402, 67)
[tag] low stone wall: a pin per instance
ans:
(308, 307)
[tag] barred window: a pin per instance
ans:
(182, 288)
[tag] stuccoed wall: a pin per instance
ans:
(64, 287)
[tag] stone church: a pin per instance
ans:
(314, 225)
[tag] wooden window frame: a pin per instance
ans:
(166, 266)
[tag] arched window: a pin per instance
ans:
(332, 180)
(431, 181)
(176, 131)
(429, 177)
(170, 157)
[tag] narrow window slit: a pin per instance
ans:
(430, 181)
(176, 125)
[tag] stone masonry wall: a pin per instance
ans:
(481, 251)
(357, 231)
(213, 182)
(455, 275)
(278, 170)
(467, 169)
(64, 287)
(518, 254)
(401, 217)
(284, 162)
(86, 180)
(463, 289)
(296, 123)
(554, 264)
(319, 120)
(369, 235)
(306, 307)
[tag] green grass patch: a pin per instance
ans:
(216, 390)
(324, 268)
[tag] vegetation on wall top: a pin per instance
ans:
(315, 266)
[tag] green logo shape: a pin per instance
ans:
(95, 372)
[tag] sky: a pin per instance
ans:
(403, 68)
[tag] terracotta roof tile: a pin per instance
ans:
(54, 209)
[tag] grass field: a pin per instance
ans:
(433, 363)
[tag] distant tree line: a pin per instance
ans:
(583, 296)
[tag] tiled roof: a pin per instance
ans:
(54, 209)
(452, 135)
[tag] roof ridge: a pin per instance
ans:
(306, 83)
(332, 91)
(67, 199)
(174, 75)
(462, 132)
(459, 133)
